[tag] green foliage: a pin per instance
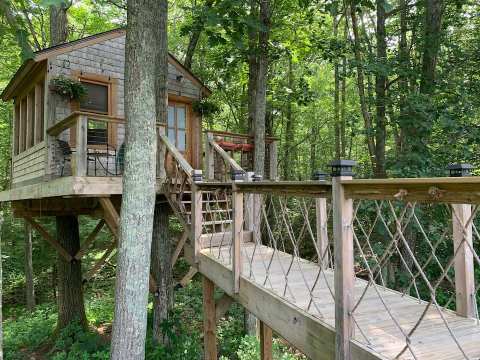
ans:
(68, 88)
(250, 350)
(205, 107)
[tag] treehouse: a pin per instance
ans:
(316, 261)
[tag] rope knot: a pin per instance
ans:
(435, 193)
(400, 195)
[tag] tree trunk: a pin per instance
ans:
(252, 70)
(261, 88)
(380, 92)
(138, 200)
(1, 289)
(161, 269)
(58, 23)
(29, 286)
(431, 47)
(403, 57)
(197, 31)
(18, 29)
(70, 289)
(289, 127)
(361, 88)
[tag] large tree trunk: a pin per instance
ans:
(58, 23)
(70, 289)
(261, 88)
(431, 47)
(361, 88)
(138, 200)
(29, 286)
(252, 70)
(380, 91)
(161, 268)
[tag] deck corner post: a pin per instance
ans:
(196, 220)
(209, 157)
(273, 159)
(343, 256)
(321, 218)
(209, 320)
(81, 166)
(463, 243)
(237, 236)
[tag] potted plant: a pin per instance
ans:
(68, 88)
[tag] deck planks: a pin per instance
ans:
(430, 341)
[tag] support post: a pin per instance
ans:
(209, 157)
(266, 342)
(343, 253)
(81, 146)
(237, 237)
(209, 324)
(463, 242)
(196, 220)
(321, 224)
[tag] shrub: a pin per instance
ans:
(68, 88)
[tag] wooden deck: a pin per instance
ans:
(381, 337)
(68, 186)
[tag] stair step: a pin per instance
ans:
(206, 201)
(216, 222)
(211, 211)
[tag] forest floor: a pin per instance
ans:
(28, 335)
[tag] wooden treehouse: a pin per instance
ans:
(334, 267)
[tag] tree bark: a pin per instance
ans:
(161, 269)
(1, 289)
(58, 23)
(431, 47)
(138, 200)
(29, 286)
(361, 88)
(261, 88)
(252, 69)
(336, 96)
(380, 92)
(69, 275)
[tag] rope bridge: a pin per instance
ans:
(389, 264)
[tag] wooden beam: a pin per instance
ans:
(344, 269)
(80, 156)
(38, 131)
(266, 342)
(209, 324)
(196, 218)
(464, 264)
(181, 242)
(322, 231)
(237, 214)
(273, 154)
(48, 238)
(209, 157)
(190, 274)
(111, 216)
(90, 239)
(99, 264)
(222, 305)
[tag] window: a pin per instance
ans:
(96, 99)
(177, 126)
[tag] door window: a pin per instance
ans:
(177, 126)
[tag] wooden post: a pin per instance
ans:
(321, 224)
(344, 270)
(30, 120)
(248, 203)
(237, 237)
(464, 268)
(81, 146)
(196, 220)
(265, 342)
(209, 157)
(38, 130)
(209, 324)
(273, 152)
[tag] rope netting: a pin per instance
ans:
(406, 256)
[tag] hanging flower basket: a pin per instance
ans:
(68, 88)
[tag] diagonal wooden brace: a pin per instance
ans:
(110, 215)
(99, 264)
(90, 239)
(48, 238)
(179, 247)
